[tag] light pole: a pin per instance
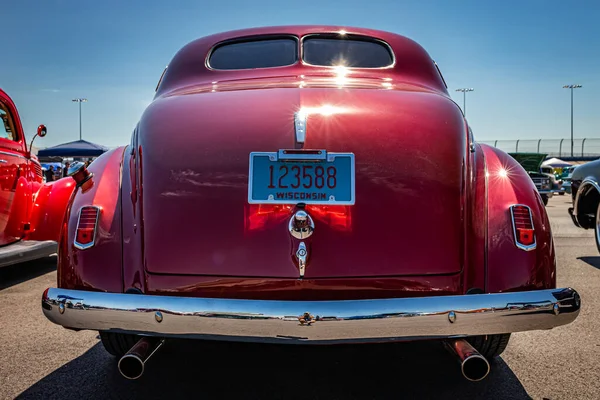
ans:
(572, 87)
(79, 101)
(465, 90)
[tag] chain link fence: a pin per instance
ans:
(587, 147)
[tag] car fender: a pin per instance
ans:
(48, 209)
(16, 225)
(510, 268)
(98, 267)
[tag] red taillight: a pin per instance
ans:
(85, 234)
(523, 228)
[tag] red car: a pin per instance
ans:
(29, 224)
(306, 185)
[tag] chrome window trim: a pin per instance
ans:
(253, 38)
(161, 78)
(512, 218)
(440, 72)
(13, 116)
(336, 36)
(81, 246)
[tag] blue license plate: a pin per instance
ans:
(301, 176)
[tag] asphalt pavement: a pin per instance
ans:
(40, 360)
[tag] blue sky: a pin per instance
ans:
(517, 55)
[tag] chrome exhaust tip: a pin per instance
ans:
(473, 365)
(132, 364)
(475, 368)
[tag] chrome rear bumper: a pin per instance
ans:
(329, 321)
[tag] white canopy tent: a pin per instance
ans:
(555, 163)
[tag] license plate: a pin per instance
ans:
(301, 176)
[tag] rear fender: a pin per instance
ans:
(508, 267)
(100, 266)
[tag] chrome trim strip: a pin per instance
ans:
(512, 219)
(81, 246)
(13, 154)
(300, 128)
(335, 321)
(301, 255)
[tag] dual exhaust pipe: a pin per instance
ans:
(473, 365)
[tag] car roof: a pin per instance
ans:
(412, 62)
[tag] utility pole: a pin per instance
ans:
(79, 101)
(572, 87)
(464, 91)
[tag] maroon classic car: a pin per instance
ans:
(28, 222)
(306, 185)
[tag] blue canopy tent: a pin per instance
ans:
(78, 148)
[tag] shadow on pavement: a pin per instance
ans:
(593, 261)
(19, 273)
(192, 369)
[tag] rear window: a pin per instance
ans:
(353, 53)
(265, 53)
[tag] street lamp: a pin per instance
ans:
(79, 101)
(465, 90)
(572, 87)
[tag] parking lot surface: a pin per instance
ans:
(40, 360)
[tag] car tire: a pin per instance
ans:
(118, 344)
(545, 199)
(561, 193)
(597, 228)
(490, 346)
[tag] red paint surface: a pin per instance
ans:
(427, 220)
(49, 209)
(20, 181)
(313, 289)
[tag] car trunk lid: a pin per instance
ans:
(407, 218)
